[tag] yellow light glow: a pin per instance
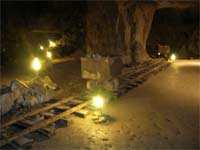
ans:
(41, 47)
(36, 65)
(98, 101)
(52, 44)
(173, 57)
(49, 54)
(158, 53)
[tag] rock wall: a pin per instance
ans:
(176, 23)
(101, 33)
(143, 17)
(122, 28)
(119, 28)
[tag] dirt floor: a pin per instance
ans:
(162, 113)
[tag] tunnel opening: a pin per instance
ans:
(28, 25)
(177, 28)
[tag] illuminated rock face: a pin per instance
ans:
(122, 28)
(119, 28)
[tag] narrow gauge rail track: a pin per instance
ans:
(42, 120)
(133, 76)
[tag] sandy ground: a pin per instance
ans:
(162, 113)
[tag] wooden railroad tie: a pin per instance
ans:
(43, 123)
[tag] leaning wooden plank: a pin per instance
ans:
(44, 123)
(20, 117)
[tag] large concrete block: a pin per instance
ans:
(103, 68)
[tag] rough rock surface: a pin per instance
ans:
(171, 24)
(122, 28)
(22, 95)
(7, 102)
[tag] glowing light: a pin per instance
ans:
(173, 57)
(36, 65)
(159, 54)
(49, 54)
(98, 101)
(41, 47)
(52, 44)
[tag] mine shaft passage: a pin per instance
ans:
(99, 75)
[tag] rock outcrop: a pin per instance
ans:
(122, 28)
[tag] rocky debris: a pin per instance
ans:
(98, 117)
(30, 101)
(6, 102)
(26, 95)
(18, 85)
(46, 82)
